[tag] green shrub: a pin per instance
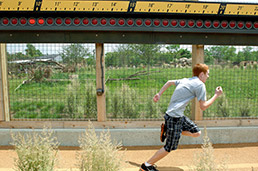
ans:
(123, 103)
(222, 106)
(38, 74)
(245, 109)
(36, 151)
(90, 100)
(98, 153)
(255, 66)
(114, 102)
(153, 109)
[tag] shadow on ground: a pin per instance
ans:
(159, 168)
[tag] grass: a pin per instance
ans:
(98, 152)
(130, 98)
(35, 151)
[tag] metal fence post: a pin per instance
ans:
(100, 82)
(197, 57)
(4, 98)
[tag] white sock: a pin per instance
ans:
(147, 164)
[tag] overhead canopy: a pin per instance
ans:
(135, 21)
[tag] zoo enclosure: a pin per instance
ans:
(60, 84)
(222, 28)
(40, 96)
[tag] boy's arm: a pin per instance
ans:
(163, 89)
(205, 104)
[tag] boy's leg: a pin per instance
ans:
(187, 133)
(161, 153)
(173, 135)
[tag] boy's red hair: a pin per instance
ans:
(198, 68)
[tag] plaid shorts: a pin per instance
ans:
(175, 126)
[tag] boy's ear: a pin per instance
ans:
(201, 74)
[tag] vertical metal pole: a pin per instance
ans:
(4, 96)
(197, 57)
(100, 82)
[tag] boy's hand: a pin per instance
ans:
(218, 91)
(156, 97)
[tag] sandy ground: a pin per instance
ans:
(241, 158)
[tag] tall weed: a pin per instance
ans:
(36, 151)
(153, 109)
(74, 107)
(99, 153)
(205, 161)
(90, 102)
(81, 100)
(129, 102)
(124, 103)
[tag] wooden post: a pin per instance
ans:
(4, 98)
(197, 57)
(100, 82)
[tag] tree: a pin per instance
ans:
(246, 54)
(176, 52)
(133, 55)
(147, 54)
(32, 52)
(222, 53)
(112, 59)
(208, 58)
(165, 57)
(183, 53)
(75, 54)
(121, 57)
(15, 56)
(255, 55)
(91, 59)
(172, 48)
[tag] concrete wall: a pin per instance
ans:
(146, 137)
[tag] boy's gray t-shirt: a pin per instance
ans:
(186, 90)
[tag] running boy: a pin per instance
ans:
(175, 121)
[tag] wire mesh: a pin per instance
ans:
(235, 69)
(135, 73)
(58, 81)
(52, 81)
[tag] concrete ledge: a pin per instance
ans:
(146, 137)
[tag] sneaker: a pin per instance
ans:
(149, 168)
(163, 133)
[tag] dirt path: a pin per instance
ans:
(238, 158)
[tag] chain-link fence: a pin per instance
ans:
(58, 81)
